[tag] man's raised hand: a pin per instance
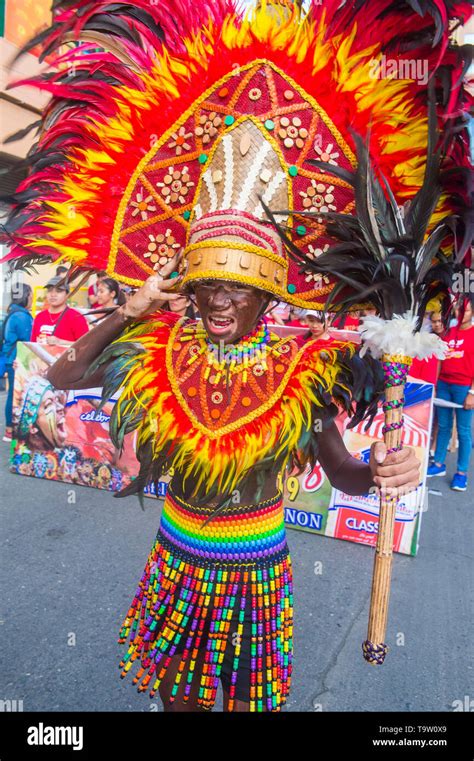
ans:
(155, 291)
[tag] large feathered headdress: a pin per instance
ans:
(174, 123)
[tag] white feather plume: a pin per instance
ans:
(399, 336)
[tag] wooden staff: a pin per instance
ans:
(374, 648)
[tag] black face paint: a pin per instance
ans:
(229, 310)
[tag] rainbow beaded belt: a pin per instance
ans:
(200, 579)
(238, 534)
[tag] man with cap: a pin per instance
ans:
(58, 324)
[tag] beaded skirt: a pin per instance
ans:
(197, 580)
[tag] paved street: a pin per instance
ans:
(69, 571)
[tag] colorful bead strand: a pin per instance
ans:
(395, 370)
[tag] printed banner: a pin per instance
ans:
(60, 435)
(312, 505)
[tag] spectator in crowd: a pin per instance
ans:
(109, 294)
(92, 290)
(456, 385)
(279, 314)
(427, 370)
(347, 321)
(181, 306)
(317, 329)
(61, 271)
(58, 324)
(109, 297)
(296, 318)
(17, 327)
(368, 312)
(436, 323)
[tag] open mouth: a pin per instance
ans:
(220, 324)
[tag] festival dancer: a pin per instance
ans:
(215, 600)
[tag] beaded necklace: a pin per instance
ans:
(248, 352)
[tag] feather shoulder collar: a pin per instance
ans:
(214, 429)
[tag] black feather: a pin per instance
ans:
(22, 132)
(384, 255)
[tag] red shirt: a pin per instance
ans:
(92, 293)
(303, 338)
(458, 367)
(72, 326)
(425, 369)
(350, 323)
